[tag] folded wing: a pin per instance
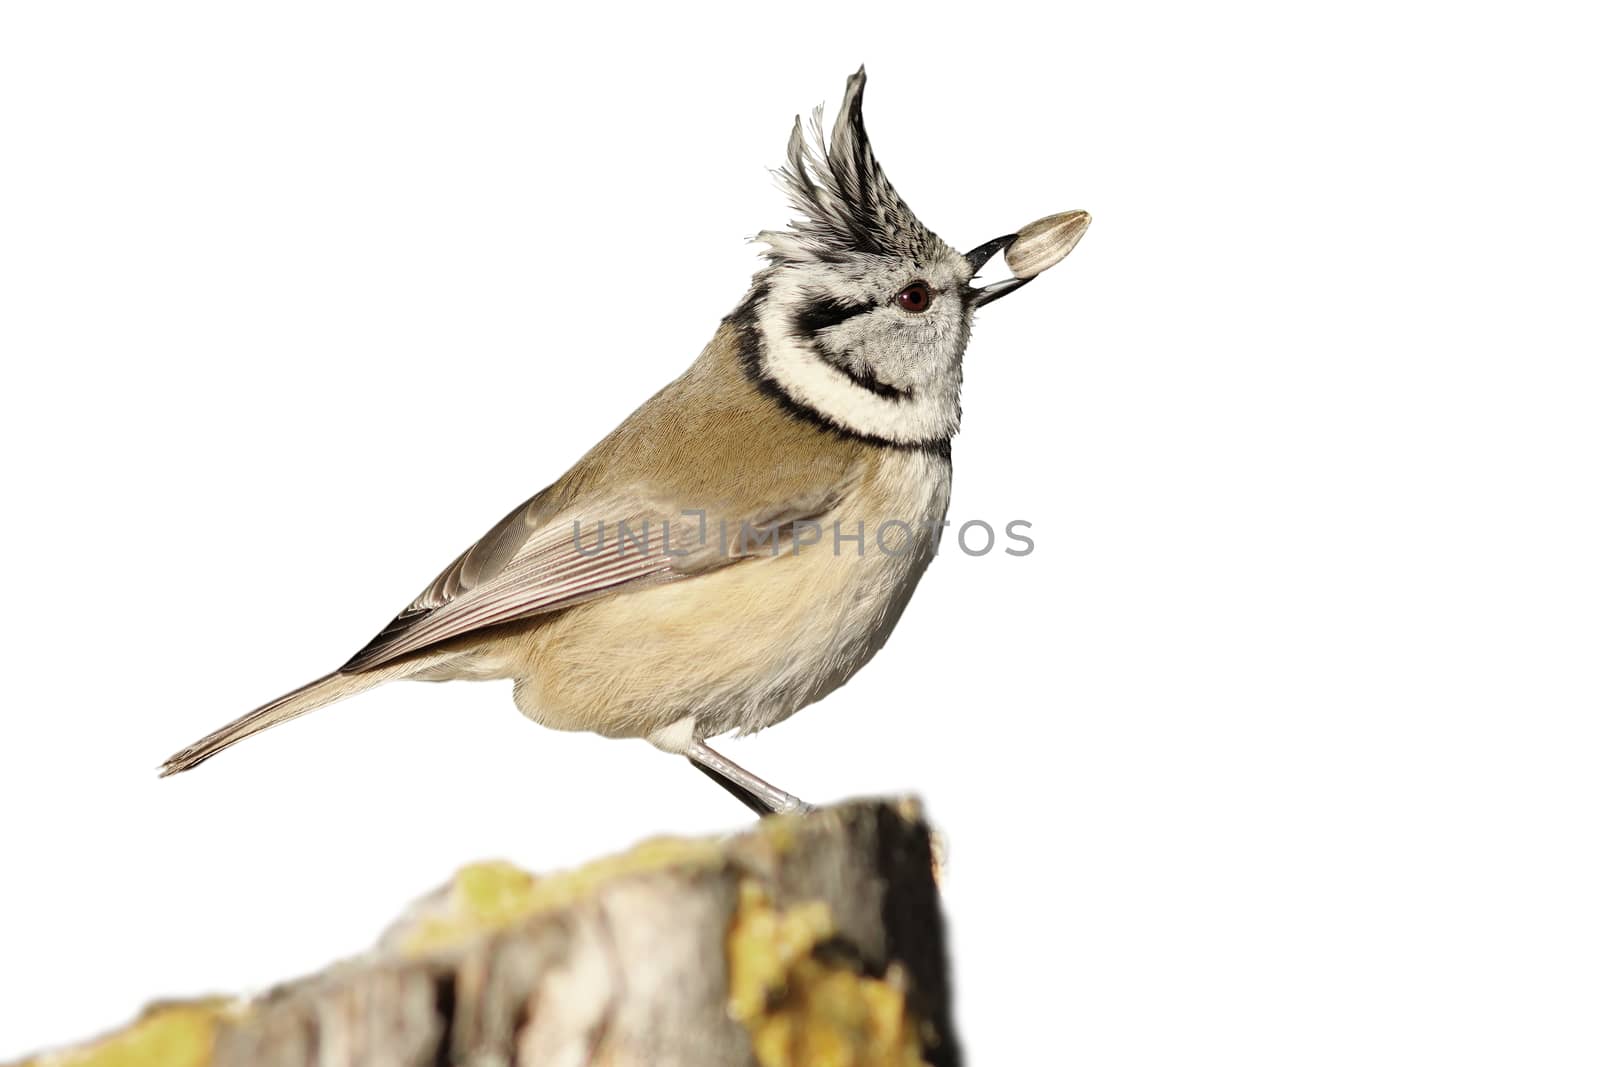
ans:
(540, 559)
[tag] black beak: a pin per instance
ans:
(981, 255)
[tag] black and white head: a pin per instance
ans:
(862, 316)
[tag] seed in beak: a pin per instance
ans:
(1041, 245)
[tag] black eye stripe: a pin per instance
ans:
(824, 312)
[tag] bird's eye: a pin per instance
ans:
(915, 297)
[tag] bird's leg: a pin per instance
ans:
(759, 796)
(738, 792)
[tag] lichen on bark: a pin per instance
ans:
(811, 941)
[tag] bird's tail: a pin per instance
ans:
(310, 697)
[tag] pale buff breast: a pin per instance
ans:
(748, 645)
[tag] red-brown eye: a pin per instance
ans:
(915, 297)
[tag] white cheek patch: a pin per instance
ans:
(930, 413)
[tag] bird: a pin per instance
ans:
(745, 541)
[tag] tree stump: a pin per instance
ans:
(808, 941)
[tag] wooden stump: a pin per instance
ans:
(811, 941)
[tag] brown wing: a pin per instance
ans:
(524, 567)
(707, 454)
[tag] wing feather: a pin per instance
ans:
(565, 560)
(709, 439)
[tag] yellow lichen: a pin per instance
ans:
(780, 832)
(491, 894)
(175, 1035)
(486, 897)
(804, 1012)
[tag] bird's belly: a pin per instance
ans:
(745, 646)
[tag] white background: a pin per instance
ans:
(1282, 746)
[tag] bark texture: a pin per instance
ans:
(811, 941)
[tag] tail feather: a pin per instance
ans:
(310, 697)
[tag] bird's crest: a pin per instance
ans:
(847, 206)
